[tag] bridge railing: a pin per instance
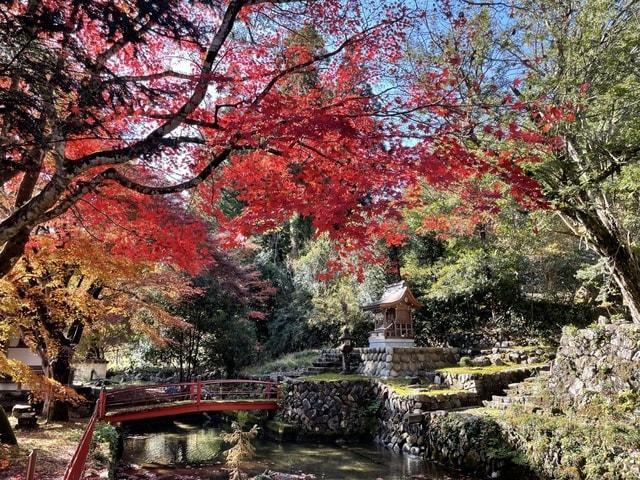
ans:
(197, 391)
(76, 466)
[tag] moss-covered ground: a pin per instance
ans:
(402, 386)
(488, 370)
(595, 443)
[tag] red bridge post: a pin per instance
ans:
(101, 403)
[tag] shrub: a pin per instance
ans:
(465, 362)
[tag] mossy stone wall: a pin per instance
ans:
(602, 360)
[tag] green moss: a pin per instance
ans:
(592, 447)
(488, 369)
(334, 377)
(485, 412)
(465, 362)
(628, 401)
(400, 386)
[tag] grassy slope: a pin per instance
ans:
(289, 362)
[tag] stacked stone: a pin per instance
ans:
(329, 408)
(487, 384)
(400, 426)
(401, 420)
(511, 355)
(407, 424)
(468, 442)
(405, 362)
(604, 359)
(527, 393)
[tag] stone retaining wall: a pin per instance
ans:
(330, 409)
(405, 362)
(603, 359)
(401, 418)
(486, 385)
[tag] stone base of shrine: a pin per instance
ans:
(405, 361)
(381, 342)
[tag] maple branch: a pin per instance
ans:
(124, 154)
(103, 58)
(82, 188)
(156, 76)
(311, 61)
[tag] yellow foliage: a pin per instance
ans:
(53, 287)
(241, 441)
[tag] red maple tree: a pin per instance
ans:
(110, 103)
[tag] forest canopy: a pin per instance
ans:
(172, 171)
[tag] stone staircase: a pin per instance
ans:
(526, 393)
(330, 361)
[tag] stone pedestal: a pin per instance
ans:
(26, 416)
(381, 342)
(405, 361)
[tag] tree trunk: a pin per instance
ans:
(609, 241)
(13, 251)
(180, 357)
(59, 369)
(6, 432)
(628, 281)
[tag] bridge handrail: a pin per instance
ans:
(116, 390)
(194, 391)
(76, 466)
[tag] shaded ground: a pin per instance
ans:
(55, 442)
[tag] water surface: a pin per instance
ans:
(180, 448)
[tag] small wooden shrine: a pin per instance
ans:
(394, 325)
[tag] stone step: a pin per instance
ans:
(325, 363)
(531, 408)
(535, 379)
(496, 405)
(316, 370)
(523, 389)
(497, 400)
(515, 385)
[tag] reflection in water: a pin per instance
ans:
(178, 447)
(180, 444)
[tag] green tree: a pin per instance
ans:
(221, 331)
(496, 277)
(553, 90)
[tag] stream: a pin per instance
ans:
(179, 450)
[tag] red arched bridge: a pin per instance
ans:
(144, 402)
(163, 400)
